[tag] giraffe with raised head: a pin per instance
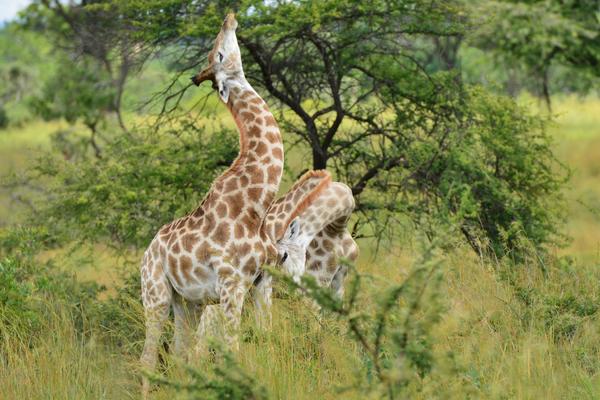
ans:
(215, 253)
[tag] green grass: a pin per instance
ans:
(500, 348)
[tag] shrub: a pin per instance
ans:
(143, 180)
(3, 118)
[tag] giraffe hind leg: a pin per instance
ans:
(157, 296)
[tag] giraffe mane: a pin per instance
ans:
(309, 198)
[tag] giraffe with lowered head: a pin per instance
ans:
(309, 228)
(214, 254)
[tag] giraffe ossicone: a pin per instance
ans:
(215, 253)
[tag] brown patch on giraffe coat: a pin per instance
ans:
(225, 272)
(244, 181)
(274, 174)
(209, 223)
(250, 223)
(165, 230)
(270, 121)
(173, 269)
(257, 177)
(254, 194)
(247, 116)
(235, 203)
(255, 131)
(239, 231)
(328, 245)
(221, 210)
(261, 149)
(278, 230)
(273, 137)
(277, 153)
(185, 264)
(254, 109)
(222, 233)
(258, 121)
(231, 185)
(176, 249)
(240, 105)
(246, 94)
(199, 212)
(195, 223)
(188, 241)
(204, 252)
(250, 267)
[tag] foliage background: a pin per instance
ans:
(468, 131)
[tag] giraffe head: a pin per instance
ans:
(224, 61)
(283, 222)
(291, 253)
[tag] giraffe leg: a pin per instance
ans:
(337, 283)
(262, 302)
(186, 319)
(157, 296)
(232, 292)
(155, 319)
(208, 330)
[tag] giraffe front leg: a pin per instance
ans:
(208, 330)
(187, 317)
(263, 292)
(232, 292)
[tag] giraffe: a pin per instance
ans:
(315, 210)
(214, 254)
(309, 227)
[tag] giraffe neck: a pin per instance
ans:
(300, 198)
(259, 165)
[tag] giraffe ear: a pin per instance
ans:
(293, 230)
(223, 91)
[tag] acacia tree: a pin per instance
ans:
(541, 35)
(92, 37)
(356, 86)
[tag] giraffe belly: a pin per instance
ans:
(200, 290)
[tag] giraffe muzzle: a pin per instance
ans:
(206, 75)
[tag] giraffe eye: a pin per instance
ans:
(220, 56)
(285, 256)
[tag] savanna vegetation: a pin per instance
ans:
(469, 133)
